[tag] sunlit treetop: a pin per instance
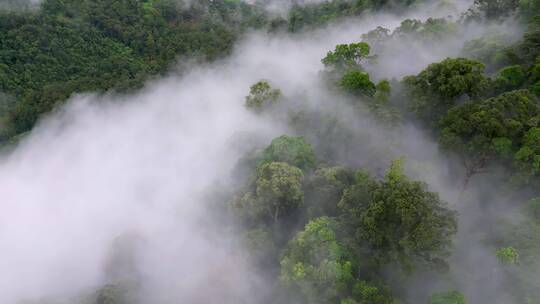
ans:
(321, 267)
(357, 83)
(347, 56)
(316, 263)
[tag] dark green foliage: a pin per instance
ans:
(438, 88)
(357, 83)
(77, 46)
(510, 78)
(528, 49)
(534, 72)
(289, 149)
(451, 297)
(304, 15)
(528, 155)
(309, 15)
(400, 220)
(366, 293)
(482, 131)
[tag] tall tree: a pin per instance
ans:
(399, 219)
(439, 87)
(495, 128)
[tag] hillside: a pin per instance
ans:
(231, 151)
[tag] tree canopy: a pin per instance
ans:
(439, 87)
(399, 219)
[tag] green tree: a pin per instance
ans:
(289, 149)
(399, 219)
(364, 292)
(278, 190)
(357, 83)
(262, 96)
(317, 264)
(507, 255)
(69, 46)
(347, 57)
(510, 78)
(438, 88)
(527, 158)
(484, 130)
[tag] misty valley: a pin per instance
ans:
(270, 151)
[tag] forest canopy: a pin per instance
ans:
(357, 184)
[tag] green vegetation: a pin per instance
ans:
(50, 52)
(316, 209)
(262, 96)
(508, 255)
(495, 129)
(67, 47)
(439, 87)
(451, 297)
(292, 150)
(399, 219)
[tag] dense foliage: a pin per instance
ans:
(65, 47)
(325, 226)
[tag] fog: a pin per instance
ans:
(144, 171)
(18, 4)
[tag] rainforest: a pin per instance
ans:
(270, 151)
